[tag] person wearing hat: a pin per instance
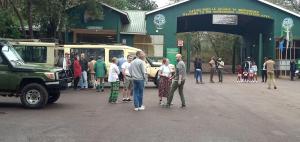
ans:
(100, 73)
(220, 69)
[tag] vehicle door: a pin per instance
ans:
(6, 75)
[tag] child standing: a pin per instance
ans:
(254, 68)
(239, 73)
(245, 76)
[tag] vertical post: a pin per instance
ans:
(291, 50)
(260, 53)
(188, 39)
(286, 50)
(294, 50)
(74, 37)
(233, 58)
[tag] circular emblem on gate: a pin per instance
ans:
(159, 21)
(287, 23)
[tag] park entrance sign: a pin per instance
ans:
(259, 23)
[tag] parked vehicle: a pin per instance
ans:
(36, 85)
(118, 51)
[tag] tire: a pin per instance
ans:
(53, 97)
(34, 96)
(156, 80)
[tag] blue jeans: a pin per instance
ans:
(138, 93)
(83, 80)
(198, 75)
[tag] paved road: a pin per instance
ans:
(228, 112)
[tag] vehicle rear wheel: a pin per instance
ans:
(53, 97)
(34, 96)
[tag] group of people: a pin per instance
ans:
(132, 72)
(216, 65)
(247, 73)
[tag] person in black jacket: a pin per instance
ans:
(198, 70)
(84, 67)
(292, 69)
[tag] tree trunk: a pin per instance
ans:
(62, 21)
(19, 17)
(213, 45)
(30, 23)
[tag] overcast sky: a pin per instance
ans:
(161, 3)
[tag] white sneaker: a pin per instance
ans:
(142, 108)
(136, 109)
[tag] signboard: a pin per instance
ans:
(180, 43)
(124, 41)
(225, 19)
(159, 21)
(287, 23)
(171, 55)
(226, 10)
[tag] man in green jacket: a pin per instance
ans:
(100, 73)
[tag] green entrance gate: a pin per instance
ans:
(257, 21)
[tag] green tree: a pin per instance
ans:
(141, 5)
(9, 27)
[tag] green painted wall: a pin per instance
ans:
(171, 14)
(111, 21)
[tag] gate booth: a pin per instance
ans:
(257, 21)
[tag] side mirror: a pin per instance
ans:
(5, 49)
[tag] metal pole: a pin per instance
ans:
(291, 51)
(286, 50)
(260, 53)
(294, 50)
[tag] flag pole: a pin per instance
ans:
(294, 50)
(286, 49)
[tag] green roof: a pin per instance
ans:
(137, 24)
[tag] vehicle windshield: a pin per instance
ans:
(12, 55)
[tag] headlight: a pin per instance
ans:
(297, 71)
(50, 75)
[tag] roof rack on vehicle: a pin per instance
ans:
(20, 40)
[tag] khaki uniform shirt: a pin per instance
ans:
(270, 65)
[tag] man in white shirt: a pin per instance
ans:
(127, 79)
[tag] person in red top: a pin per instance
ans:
(77, 72)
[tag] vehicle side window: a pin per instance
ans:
(116, 54)
(35, 54)
(90, 52)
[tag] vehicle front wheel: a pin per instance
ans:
(34, 96)
(53, 97)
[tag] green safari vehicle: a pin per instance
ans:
(35, 85)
